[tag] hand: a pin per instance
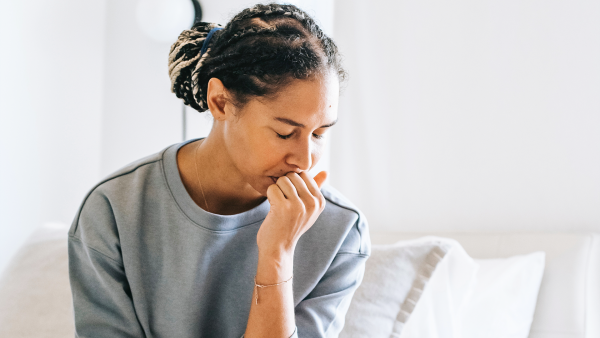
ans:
(296, 203)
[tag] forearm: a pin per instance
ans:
(273, 314)
(296, 202)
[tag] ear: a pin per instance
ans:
(217, 99)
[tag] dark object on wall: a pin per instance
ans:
(197, 18)
(197, 10)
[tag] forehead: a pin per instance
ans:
(308, 101)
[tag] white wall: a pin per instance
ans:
(141, 116)
(50, 105)
(471, 115)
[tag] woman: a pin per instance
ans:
(228, 235)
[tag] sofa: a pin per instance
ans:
(35, 299)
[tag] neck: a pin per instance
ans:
(226, 191)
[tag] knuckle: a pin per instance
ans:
(300, 206)
(312, 202)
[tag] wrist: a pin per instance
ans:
(277, 252)
(274, 266)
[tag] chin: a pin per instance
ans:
(262, 184)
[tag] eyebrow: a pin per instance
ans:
(297, 124)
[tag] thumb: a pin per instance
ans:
(320, 178)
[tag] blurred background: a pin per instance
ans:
(463, 116)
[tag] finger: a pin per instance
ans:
(300, 185)
(274, 194)
(320, 178)
(287, 187)
(313, 187)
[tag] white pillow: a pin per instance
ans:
(395, 276)
(438, 314)
(501, 302)
(504, 299)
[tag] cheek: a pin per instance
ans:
(269, 154)
(259, 154)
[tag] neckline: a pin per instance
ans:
(198, 215)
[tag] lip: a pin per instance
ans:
(274, 179)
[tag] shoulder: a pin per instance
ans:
(135, 168)
(342, 213)
(125, 178)
(95, 220)
(338, 200)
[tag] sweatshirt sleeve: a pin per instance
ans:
(322, 313)
(102, 301)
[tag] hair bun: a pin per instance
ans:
(185, 62)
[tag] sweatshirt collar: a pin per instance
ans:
(198, 215)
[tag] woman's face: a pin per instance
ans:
(286, 133)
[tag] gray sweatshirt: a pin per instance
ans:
(146, 261)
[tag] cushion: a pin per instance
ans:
(439, 311)
(35, 297)
(504, 299)
(395, 276)
(500, 303)
(568, 303)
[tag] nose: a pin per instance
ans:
(300, 155)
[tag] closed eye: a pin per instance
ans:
(284, 137)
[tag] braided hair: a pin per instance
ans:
(260, 50)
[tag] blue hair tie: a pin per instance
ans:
(205, 44)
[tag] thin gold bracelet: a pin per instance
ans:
(256, 286)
